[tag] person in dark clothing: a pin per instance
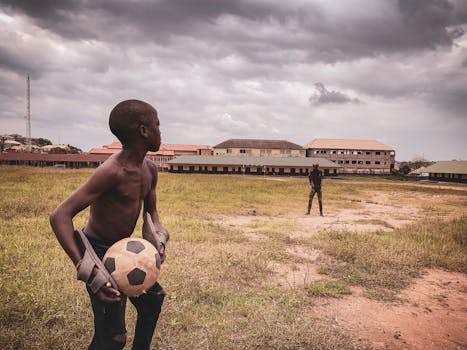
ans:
(116, 193)
(315, 177)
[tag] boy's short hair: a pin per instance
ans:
(127, 116)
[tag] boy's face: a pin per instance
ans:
(154, 134)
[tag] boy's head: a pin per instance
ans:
(315, 166)
(133, 119)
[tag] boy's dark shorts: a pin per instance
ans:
(109, 318)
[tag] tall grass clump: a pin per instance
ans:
(390, 260)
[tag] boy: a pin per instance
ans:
(115, 192)
(315, 178)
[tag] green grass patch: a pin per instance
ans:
(327, 288)
(389, 261)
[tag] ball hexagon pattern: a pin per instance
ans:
(134, 264)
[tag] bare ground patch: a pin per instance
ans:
(433, 311)
(433, 315)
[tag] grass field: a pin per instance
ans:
(216, 275)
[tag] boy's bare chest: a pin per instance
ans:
(134, 187)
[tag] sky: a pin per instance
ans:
(296, 70)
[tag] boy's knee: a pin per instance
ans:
(119, 341)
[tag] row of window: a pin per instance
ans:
(322, 151)
(367, 162)
(448, 176)
(246, 170)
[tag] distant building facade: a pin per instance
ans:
(166, 151)
(258, 148)
(450, 171)
(81, 160)
(221, 164)
(355, 156)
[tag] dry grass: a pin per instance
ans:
(214, 274)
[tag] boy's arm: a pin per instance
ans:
(61, 218)
(150, 206)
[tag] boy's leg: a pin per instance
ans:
(148, 307)
(109, 324)
(320, 200)
(310, 200)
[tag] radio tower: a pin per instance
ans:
(28, 115)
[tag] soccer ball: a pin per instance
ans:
(134, 264)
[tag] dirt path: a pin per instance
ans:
(433, 315)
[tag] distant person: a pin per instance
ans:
(315, 177)
(116, 192)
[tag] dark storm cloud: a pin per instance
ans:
(324, 96)
(317, 32)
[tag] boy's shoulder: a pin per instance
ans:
(150, 164)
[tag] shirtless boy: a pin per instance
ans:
(116, 192)
(315, 178)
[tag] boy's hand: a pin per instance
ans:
(160, 228)
(107, 294)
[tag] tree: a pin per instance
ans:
(42, 142)
(405, 169)
(58, 150)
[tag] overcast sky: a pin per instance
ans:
(395, 71)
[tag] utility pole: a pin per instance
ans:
(28, 114)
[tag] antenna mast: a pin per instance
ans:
(28, 115)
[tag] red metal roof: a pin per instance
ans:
(165, 148)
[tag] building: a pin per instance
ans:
(451, 171)
(166, 151)
(259, 148)
(81, 160)
(222, 164)
(420, 172)
(355, 156)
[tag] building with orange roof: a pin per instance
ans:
(166, 151)
(355, 156)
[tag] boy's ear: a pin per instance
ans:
(143, 131)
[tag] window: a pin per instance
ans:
(332, 152)
(323, 152)
(367, 162)
(315, 152)
(377, 162)
(243, 151)
(354, 162)
(377, 153)
(341, 162)
(360, 162)
(367, 152)
(346, 162)
(229, 150)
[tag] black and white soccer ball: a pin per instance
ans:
(134, 264)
